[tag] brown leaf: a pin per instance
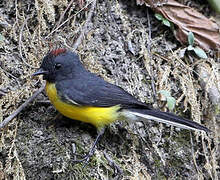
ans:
(187, 19)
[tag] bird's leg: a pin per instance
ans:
(92, 149)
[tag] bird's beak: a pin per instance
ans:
(39, 72)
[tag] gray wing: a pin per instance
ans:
(94, 91)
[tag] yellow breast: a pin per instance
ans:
(98, 116)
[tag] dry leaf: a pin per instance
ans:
(187, 19)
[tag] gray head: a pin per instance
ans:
(59, 64)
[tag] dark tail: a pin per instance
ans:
(168, 118)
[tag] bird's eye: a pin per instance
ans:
(57, 66)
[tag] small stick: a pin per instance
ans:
(20, 44)
(15, 113)
(84, 28)
(66, 21)
(62, 15)
(113, 164)
(150, 56)
(2, 93)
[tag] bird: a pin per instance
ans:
(81, 95)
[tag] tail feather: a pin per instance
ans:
(168, 118)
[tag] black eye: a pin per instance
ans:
(57, 66)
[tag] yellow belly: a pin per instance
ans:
(98, 116)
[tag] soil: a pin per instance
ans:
(41, 144)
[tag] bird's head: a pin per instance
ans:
(58, 65)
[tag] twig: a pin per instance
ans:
(20, 44)
(150, 56)
(15, 113)
(8, 73)
(43, 102)
(66, 21)
(113, 164)
(62, 15)
(2, 92)
(84, 28)
(193, 153)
